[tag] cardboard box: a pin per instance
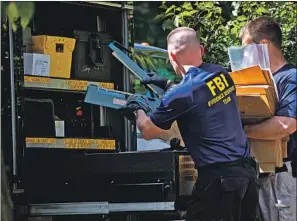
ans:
(256, 101)
(284, 146)
(60, 50)
(36, 64)
(267, 152)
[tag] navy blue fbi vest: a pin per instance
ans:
(205, 107)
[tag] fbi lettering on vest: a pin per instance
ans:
(220, 89)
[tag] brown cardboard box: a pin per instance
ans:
(256, 100)
(250, 76)
(60, 50)
(268, 153)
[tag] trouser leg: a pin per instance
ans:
(224, 195)
(250, 203)
(285, 192)
(277, 196)
(204, 203)
(267, 199)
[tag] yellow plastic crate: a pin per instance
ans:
(60, 50)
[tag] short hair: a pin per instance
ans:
(264, 28)
(243, 30)
(182, 36)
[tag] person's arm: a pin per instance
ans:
(284, 121)
(147, 128)
(276, 127)
(150, 131)
(162, 122)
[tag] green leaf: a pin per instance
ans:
(26, 12)
(185, 14)
(242, 18)
(24, 22)
(208, 15)
(13, 14)
(178, 9)
(23, 10)
(171, 14)
(26, 9)
(150, 63)
(158, 17)
(261, 10)
(187, 6)
(170, 8)
(180, 21)
(283, 13)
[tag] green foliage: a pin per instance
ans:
(152, 60)
(18, 10)
(219, 23)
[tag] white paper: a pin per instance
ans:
(41, 68)
(60, 132)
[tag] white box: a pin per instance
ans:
(60, 131)
(36, 64)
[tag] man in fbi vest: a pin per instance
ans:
(205, 107)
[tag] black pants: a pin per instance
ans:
(225, 192)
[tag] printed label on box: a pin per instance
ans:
(41, 68)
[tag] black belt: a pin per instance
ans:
(244, 162)
(284, 168)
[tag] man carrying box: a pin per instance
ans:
(278, 191)
(205, 107)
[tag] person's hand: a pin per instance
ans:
(135, 103)
(175, 144)
(157, 80)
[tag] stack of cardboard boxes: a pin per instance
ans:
(47, 56)
(257, 99)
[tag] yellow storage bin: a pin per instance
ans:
(60, 50)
